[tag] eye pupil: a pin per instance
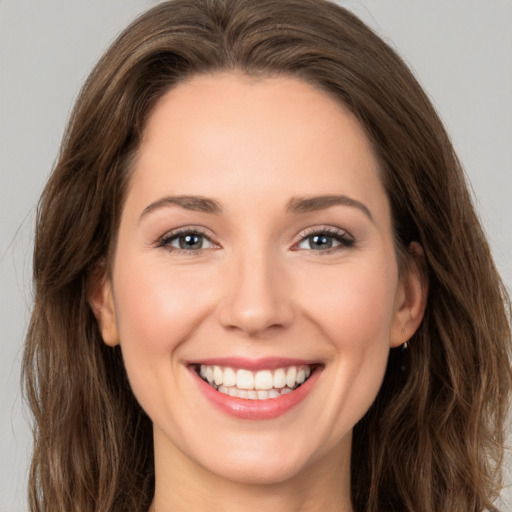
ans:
(320, 242)
(191, 241)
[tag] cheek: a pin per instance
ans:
(157, 305)
(355, 307)
(356, 318)
(158, 308)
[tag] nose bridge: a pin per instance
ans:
(255, 297)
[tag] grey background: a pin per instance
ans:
(461, 50)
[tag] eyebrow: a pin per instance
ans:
(194, 203)
(295, 205)
(315, 203)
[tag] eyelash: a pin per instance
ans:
(344, 239)
(171, 236)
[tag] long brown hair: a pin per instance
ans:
(433, 439)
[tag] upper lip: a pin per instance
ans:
(265, 363)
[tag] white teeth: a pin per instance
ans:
(260, 385)
(252, 394)
(229, 378)
(291, 375)
(279, 378)
(244, 379)
(217, 375)
(263, 380)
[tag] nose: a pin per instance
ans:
(257, 296)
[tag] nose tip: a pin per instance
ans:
(252, 318)
(256, 301)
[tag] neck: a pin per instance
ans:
(181, 484)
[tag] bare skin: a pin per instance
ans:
(255, 228)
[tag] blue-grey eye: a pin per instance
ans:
(192, 241)
(321, 242)
(324, 241)
(188, 241)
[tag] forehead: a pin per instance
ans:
(229, 133)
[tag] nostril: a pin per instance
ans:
(257, 296)
(254, 319)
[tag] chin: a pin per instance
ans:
(259, 470)
(271, 460)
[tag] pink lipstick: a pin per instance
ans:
(255, 389)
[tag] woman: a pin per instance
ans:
(260, 280)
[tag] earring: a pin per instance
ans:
(405, 346)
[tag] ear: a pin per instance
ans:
(411, 297)
(101, 301)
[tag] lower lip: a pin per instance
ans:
(257, 409)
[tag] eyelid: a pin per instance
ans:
(341, 235)
(344, 238)
(172, 234)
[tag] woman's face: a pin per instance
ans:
(255, 249)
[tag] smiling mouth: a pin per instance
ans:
(255, 385)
